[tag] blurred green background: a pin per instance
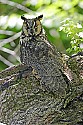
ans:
(55, 13)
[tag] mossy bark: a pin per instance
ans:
(24, 102)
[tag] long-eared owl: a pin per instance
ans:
(37, 52)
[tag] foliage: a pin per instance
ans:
(54, 11)
(74, 31)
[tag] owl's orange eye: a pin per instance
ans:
(38, 27)
(37, 22)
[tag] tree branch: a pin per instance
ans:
(10, 39)
(16, 5)
(25, 102)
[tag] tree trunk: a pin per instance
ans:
(24, 102)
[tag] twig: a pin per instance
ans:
(5, 41)
(16, 5)
(5, 61)
(78, 54)
(10, 52)
(6, 32)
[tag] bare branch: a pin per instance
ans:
(5, 61)
(10, 39)
(6, 32)
(16, 5)
(10, 52)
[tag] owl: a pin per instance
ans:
(37, 52)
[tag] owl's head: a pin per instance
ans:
(32, 27)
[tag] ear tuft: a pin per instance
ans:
(40, 17)
(23, 18)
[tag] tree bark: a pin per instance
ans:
(24, 102)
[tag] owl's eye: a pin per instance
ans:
(27, 25)
(37, 27)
